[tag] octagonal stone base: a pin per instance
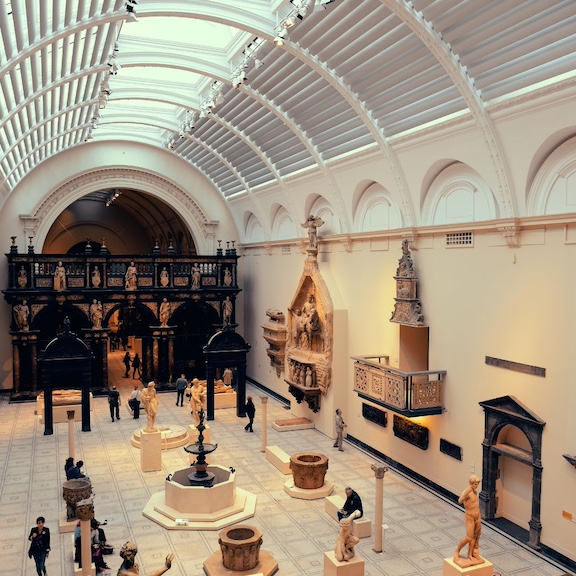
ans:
(311, 494)
(172, 436)
(184, 507)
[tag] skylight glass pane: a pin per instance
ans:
(184, 30)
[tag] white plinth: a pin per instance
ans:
(277, 456)
(332, 567)
(224, 400)
(150, 451)
(452, 569)
(312, 494)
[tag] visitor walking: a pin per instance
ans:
(114, 402)
(340, 425)
(136, 366)
(127, 363)
(135, 399)
(181, 385)
(39, 545)
(250, 412)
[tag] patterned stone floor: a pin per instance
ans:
(423, 528)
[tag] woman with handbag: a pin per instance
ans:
(39, 545)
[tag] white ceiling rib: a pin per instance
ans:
(351, 74)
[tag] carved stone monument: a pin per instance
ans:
(310, 330)
(276, 334)
(407, 309)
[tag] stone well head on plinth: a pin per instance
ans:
(240, 546)
(181, 496)
(309, 470)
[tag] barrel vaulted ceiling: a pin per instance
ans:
(252, 91)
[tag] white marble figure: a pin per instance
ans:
(131, 277)
(227, 277)
(196, 277)
(60, 277)
(96, 278)
(21, 314)
(165, 312)
(164, 278)
(344, 550)
(96, 314)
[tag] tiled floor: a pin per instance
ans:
(423, 529)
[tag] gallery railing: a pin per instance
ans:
(408, 393)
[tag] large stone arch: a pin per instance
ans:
(202, 229)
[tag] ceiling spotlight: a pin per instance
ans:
(280, 36)
(258, 63)
(131, 5)
(289, 22)
(238, 79)
(116, 48)
(88, 138)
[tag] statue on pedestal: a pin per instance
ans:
(22, 277)
(165, 312)
(96, 278)
(344, 550)
(312, 224)
(164, 278)
(469, 498)
(131, 277)
(96, 314)
(149, 400)
(196, 277)
(60, 277)
(197, 399)
(21, 314)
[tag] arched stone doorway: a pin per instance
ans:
(500, 413)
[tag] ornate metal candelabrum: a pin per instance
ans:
(201, 476)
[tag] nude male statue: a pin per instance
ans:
(469, 498)
(129, 566)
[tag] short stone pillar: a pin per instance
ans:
(264, 432)
(240, 546)
(85, 510)
(151, 451)
(71, 436)
(379, 472)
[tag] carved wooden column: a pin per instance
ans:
(264, 424)
(34, 362)
(15, 365)
(104, 356)
(379, 471)
(171, 337)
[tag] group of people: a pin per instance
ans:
(98, 544)
(134, 363)
(72, 470)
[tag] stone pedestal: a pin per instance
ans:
(452, 569)
(308, 494)
(150, 451)
(332, 567)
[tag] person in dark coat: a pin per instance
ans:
(127, 363)
(114, 403)
(68, 464)
(250, 412)
(136, 366)
(39, 545)
(352, 506)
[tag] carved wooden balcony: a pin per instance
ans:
(408, 393)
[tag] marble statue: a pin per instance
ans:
(60, 277)
(227, 277)
(21, 314)
(96, 278)
(149, 400)
(196, 277)
(469, 498)
(312, 224)
(129, 567)
(96, 314)
(344, 550)
(164, 278)
(131, 277)
(197, 399)
(165, 312)
(227, 308)
(22, 277)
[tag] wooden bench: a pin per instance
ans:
(279, 458)
(361, 527)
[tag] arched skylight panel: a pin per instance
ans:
(420, 114)
(539, 68)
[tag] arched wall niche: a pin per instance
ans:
(458, 194)
(283, 227)
(40, 221)
(554, 188)
(431, 174)
(544, 151)
(376, 210)
(321, 208)
(253, 231)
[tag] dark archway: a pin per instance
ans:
(498, 413)
(50, 321)
(195, 322)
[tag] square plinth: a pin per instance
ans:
(279, 458)
(332, 567)
(150, 451)
(452, 569)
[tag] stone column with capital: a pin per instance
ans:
(264, 424)
(379, 471)
(71, 428)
